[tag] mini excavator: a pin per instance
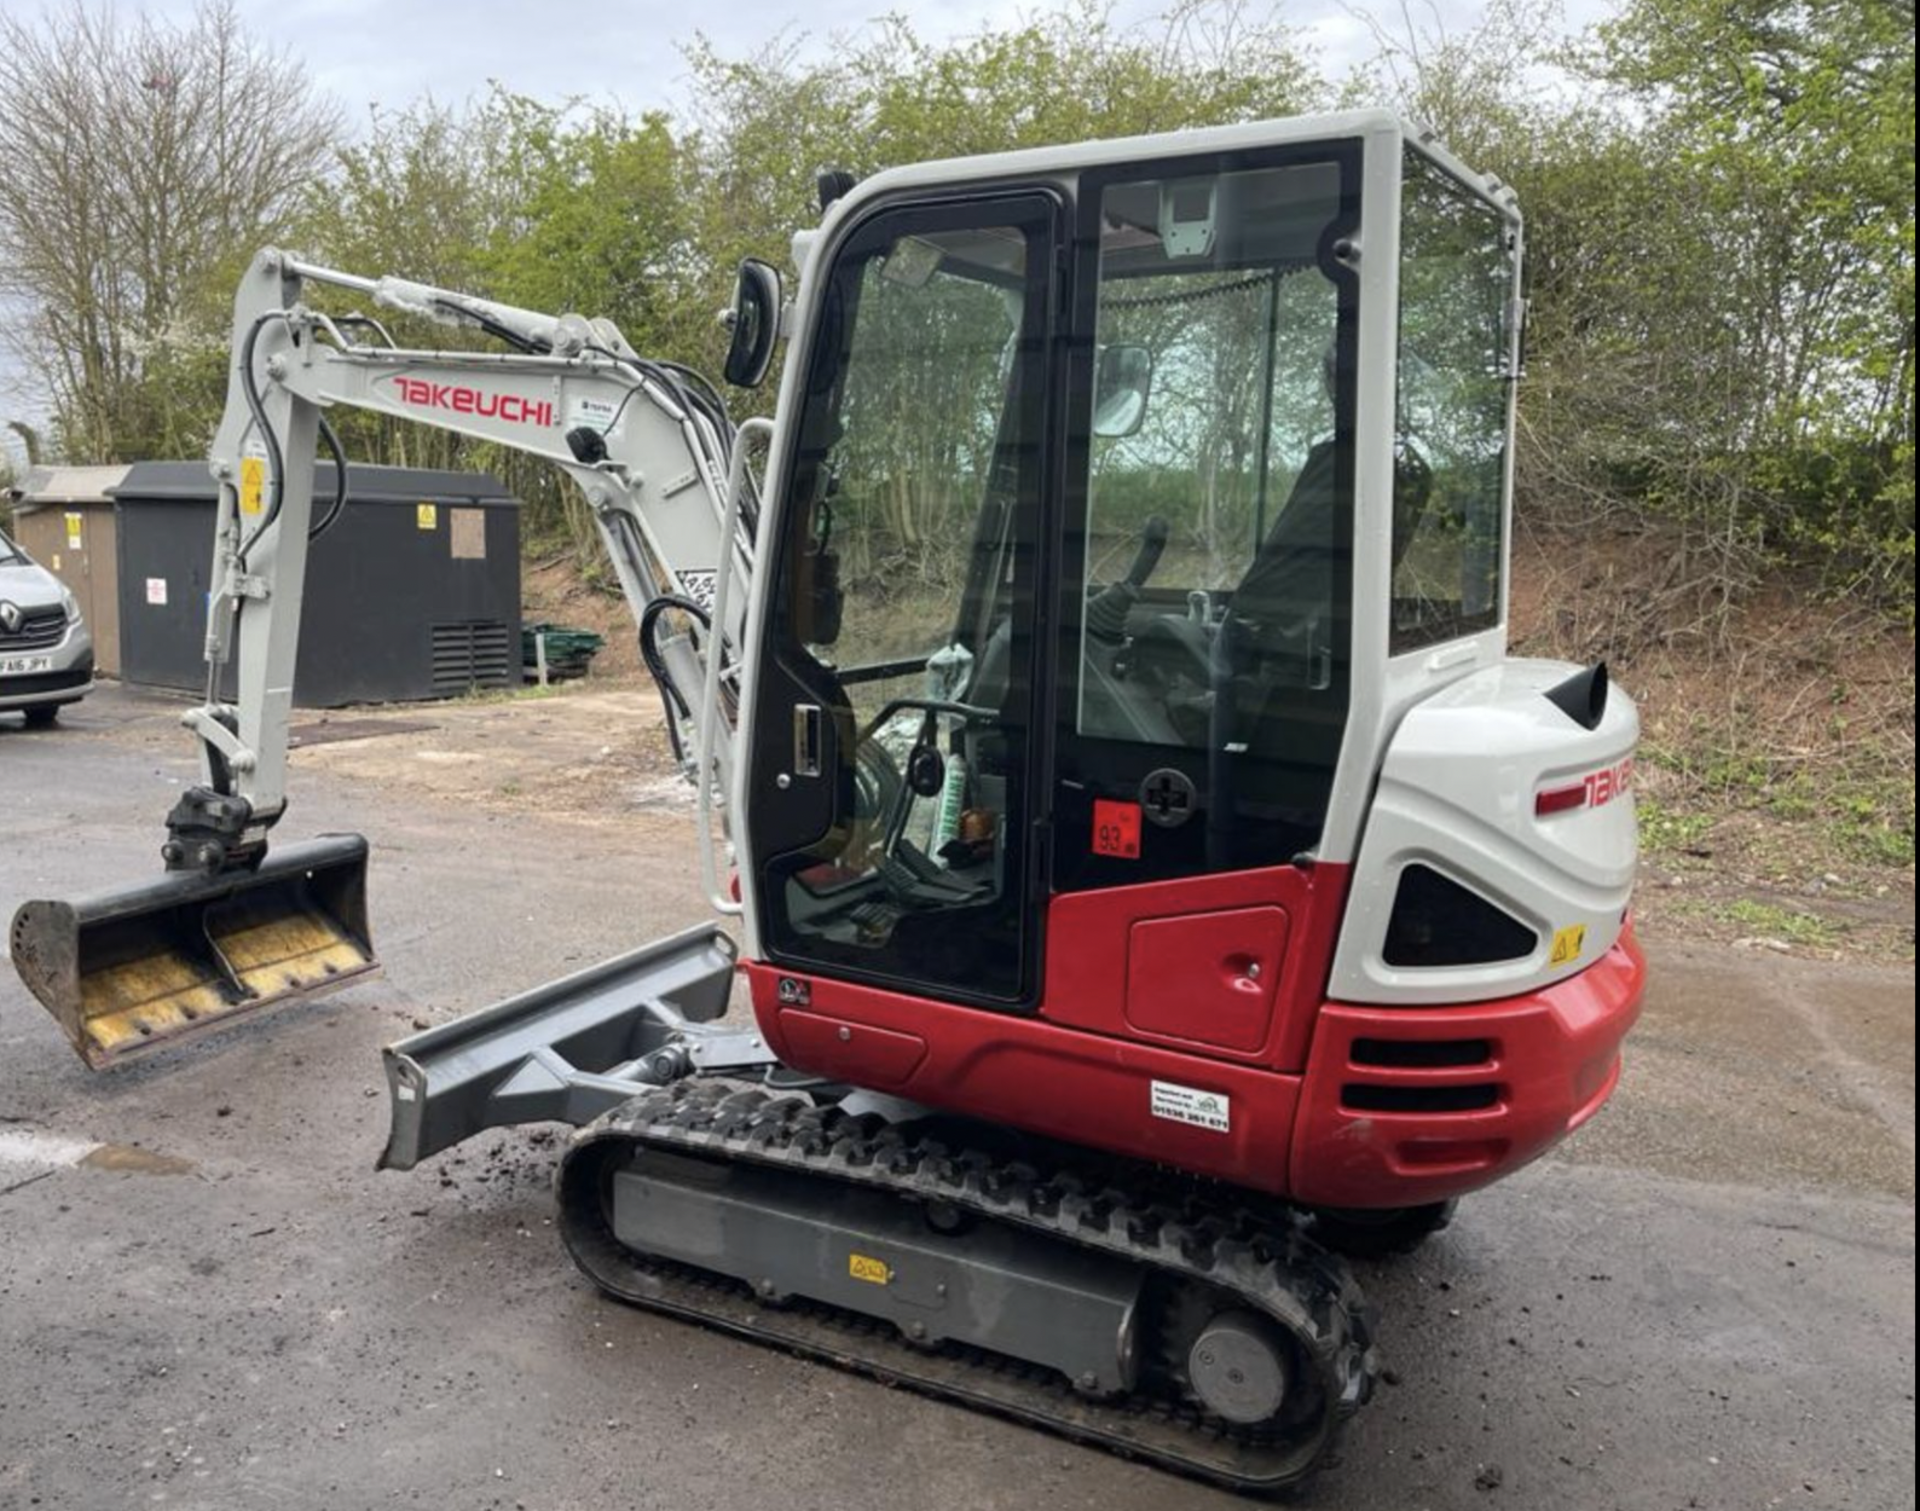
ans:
(1150, 873)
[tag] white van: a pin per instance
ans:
(46, 649)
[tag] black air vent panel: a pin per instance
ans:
(1419, 1099)
(472, 654)
(1438, 922)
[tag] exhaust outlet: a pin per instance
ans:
(129, 970)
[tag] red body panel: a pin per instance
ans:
(1105, 973)
(1206, 979)
(1288, 1064)
(1028, 1073)
(1552, 1058)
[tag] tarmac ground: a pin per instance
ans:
(210, 1300)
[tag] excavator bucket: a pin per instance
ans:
(127, 970)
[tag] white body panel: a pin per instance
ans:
(1457, 793)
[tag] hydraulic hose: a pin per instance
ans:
(672, 700)
(320, 528)
(276, 470)
(276, 462)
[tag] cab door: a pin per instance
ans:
(1205, 684)
(1205, 647)
(892, 799)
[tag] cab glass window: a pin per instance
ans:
(1220, 500)
(904, 603)
(1456, 294)
(1207, 580)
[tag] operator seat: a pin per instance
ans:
(1288, 592)
(1281, 607)
(1279, 689)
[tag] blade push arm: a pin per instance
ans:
(647, 443)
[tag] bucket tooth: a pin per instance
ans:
(127, 970)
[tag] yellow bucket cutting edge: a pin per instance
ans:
(128, 970)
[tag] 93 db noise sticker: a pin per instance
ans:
(1116, 829)
(1211, 1110)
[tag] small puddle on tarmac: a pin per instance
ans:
(133, 1160)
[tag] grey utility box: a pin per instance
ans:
(413, 593)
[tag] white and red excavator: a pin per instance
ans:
(1149, 870)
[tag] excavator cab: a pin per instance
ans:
(1114, 777)
(1059, 440)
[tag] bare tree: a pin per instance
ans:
(140, 161)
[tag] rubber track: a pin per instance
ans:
(1262, 1261)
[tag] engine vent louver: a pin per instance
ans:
(472, 653)
(1438, 922)
(1360, 1097)
(1422, 1054)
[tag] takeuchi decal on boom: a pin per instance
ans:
(459, 398)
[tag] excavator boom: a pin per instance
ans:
(231, 927)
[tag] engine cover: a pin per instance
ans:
(1493, 804)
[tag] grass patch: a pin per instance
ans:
(1875, 825)
(1668, 830)
(526, 693)
(1847, 804)
(1768, 920)
(1705, 760)
(1795, 800)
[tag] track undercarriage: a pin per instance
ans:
(1176, 1326)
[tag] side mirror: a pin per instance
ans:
(755, 320)
(1121, 384)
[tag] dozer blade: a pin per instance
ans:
(562, 1052)
(130, 969)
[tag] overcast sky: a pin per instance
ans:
(390, 52)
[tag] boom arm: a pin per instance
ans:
(648, 444)
(231, 929)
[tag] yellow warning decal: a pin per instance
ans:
(1568, 943)
(873, 1271)
(253, 484)
(426, 516)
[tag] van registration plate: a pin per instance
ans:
(24, 666)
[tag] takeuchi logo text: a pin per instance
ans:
(1602, 787)
(458, 398)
